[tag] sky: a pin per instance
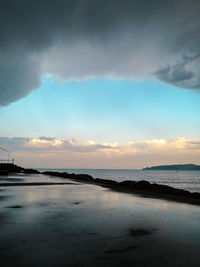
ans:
(100, 84)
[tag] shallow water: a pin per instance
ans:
(188, 180)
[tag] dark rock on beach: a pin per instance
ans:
(31, 171)
(81, 177)
(127, 183)
(84, 177)
(105, 181)
(143, 187)
(10, 167)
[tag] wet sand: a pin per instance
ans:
(78, 224)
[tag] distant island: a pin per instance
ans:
(177, 167)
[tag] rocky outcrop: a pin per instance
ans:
(105, 181)
(144, 187)
(12, 168)
(81, 177)
(31, 171)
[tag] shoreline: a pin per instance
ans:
(142, 187)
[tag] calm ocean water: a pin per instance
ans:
(188, 180)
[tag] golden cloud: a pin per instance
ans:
(93, 154)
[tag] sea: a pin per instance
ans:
(188, 180)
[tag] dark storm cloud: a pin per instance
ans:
(179, 75)
(78, 39)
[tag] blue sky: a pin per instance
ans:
(102, 123)
(104, 110)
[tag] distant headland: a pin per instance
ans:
(177, 167)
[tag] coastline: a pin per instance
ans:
(144, 188)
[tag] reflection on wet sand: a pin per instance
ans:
(87, 225)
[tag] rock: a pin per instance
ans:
(127, 183)
(31, 171)
(10, 167)
(84, 177)
(105, 181)
(143, 185)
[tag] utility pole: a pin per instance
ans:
(8, 161)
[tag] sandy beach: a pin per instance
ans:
(78, 224)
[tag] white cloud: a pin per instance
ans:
(102, 155)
